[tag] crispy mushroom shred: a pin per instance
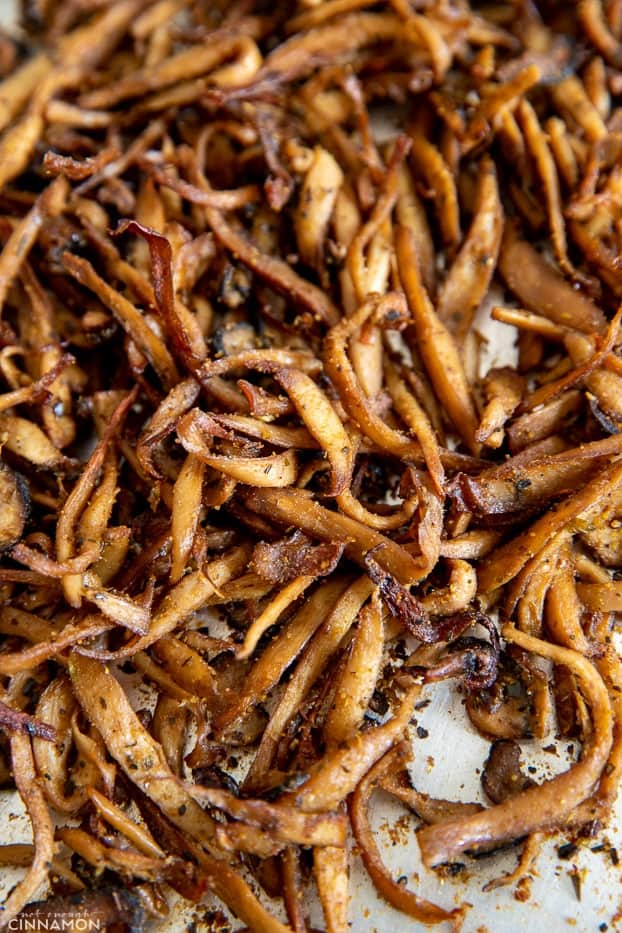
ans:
(262, 459)
(294, 556)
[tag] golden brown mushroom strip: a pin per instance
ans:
(294, 507)
(583, 371)
(273, 434)
(507, 560)
(391, 310)
(48, 205)
(570, 97)
(16, 89)
(359, 272)
(78, 169)
(338, 773)
(22, 854)
(497, 99)
(346, 222)
(592, 18)
(271, 614)
(116, 606)
(230, 887)
(302, 53)
(248, 586)
(162, 423)
(518, 484)
(600, 803)
(542, 807)
(428, 162)
(358, 678)
(563, 606)
(57, 705)
(430, 34)
(269, 668)
(47, 643)
(262, 359)
(94, 520)
(563, 153)
(25, 775)
(128, 316)
(529, 322)
(323, 423)
(354, 509)
(372, 277)
(78, 497)
(545, 166)
(533, 581)
(503, 389)
(36, 391)
(457, 595)
(180, 325)
(59, 111)
(275, 271)
(19, 141)
(273, 471)
(281, 820)
(171, 719)
(193, 62)
(152, 673)
(187, 667)
(409, 409)
(187, 92)
(537, 425)
(470, 275)
(542, 289)
(124, 861)
(331, 871)
(410, 213)
(26, 439)
(315, 205)
(394, 893)
(205, 196)
(242, 837)
(471, 545)
(92, 758)
(319, 13)
(187, 498)
(436, 345)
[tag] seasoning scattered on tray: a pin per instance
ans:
(248, 447)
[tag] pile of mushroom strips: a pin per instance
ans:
(248, 455)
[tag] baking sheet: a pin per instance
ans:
(581, 893)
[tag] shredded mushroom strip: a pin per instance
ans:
(261, 490)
